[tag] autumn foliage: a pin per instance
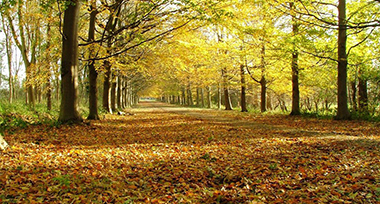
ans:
(167, 154)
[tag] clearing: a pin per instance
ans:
(168, 154)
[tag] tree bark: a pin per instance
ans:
(295, 71)
(123, 92)
(110, 27)
(219, 96)
(48, 80)
(363, 95)
(343, 112)
(227, 99)
(118, 92)
(113, 92)
(209, 97)
(189, 95)
(269, 102)
(354, 90)
(106, 86)
(202, 98)
(263, 84)
(183, 100)
(48, 93)
(243, 90)
(263, 81)
(197, 103)
(69, 67)
(93, 74)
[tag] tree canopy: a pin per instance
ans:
(311, 55)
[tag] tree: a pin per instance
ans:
(243, 89)
(69, 67)
(93, 74)
(26, 39)
(295, 70)
(8, 50)
(227, 99)
(343, 112)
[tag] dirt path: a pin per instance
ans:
(209, 115)
(244, 120)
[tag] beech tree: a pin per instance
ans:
(25, 37)
(93, 74)
(343, 112)
(69, 65)
(295, 69)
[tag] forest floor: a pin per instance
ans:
(162, 153)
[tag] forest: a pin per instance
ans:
(316, 57)
(189, 101)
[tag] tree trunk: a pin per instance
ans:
(106, 86)
(219, 96)
(295, 71)
(48, 82)
(197, 103)
(202, 98)
(93, 74)
(354, 90)
(118, 92)
(48, 78)
(227, 99)
(363, 95)
(36, 93)
(263, 84)
(343, 112)
(126, 92)
(130, 94)
(123, 92)
(57, 92)
(183, 100)
(295, 86)
(48, 93)
(263, 81)
(189, 95)
(243, 90)
(110, 27)
(269, 102)
(113, 93)
(69, 67)
(209, 97)
(29, 87)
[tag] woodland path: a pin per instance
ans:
(243, 120)
(163, 153)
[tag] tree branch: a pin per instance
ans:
(138, 44)
(362, 41)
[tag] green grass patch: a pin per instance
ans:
(18, 115)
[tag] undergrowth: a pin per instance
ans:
(18, 115)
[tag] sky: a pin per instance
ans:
(4, 64)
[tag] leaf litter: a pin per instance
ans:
(175, 155)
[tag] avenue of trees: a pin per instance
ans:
(289, 55)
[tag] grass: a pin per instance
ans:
(18, 115)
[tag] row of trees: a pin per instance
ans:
(110, 39)
(305, 53)
(300, 52)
